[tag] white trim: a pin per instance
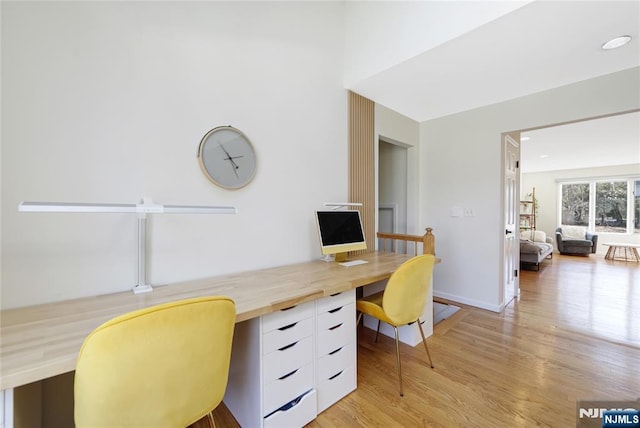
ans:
(466, 301)
(6, 415)
(579, 180)
(394, 214)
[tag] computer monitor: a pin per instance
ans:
(340, 232)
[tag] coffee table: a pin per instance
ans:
(626, 252)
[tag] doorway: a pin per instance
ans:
(392, 187)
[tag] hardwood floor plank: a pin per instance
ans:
(573, 334)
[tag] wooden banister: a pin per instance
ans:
(428, 241)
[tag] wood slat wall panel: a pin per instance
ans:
(362, 162)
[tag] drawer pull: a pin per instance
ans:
(291, 345)
(336, 375)
(286, 309)
(333, 311)
(291, 404)
(336, 294)
(336, 351)
(287, 327)
(291, 374)
(335, 326)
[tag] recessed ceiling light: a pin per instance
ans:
(616, 43)
(544, 156)
(525, 138)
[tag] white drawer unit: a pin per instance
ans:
(271, 378)
(335, 348)
(335, 301)
(285, 317)
(335, 329)
(334, 362)
(284, 361)
(337, 386)
(297, 414)
(282, 391)
(287, 334)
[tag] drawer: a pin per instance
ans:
(280, 362)
(336, 300)
(283, 336)
(337, 315)
(333, 389)
(287, 316)
(336, 361)
(297, 414)
(335, 329)
(281, 391)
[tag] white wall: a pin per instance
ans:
(460, 166)
(546, 185)
(393, 127)
(107, 102)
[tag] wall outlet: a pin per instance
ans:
(469, 212)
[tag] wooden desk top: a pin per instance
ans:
(37, 342)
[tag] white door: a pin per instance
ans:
(511, 219)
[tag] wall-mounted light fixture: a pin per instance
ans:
(146, 207)
(338, 205)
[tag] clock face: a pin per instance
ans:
(227, 158)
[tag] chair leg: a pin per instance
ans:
(377, 331)
(359, 318)
(398, 359)
(424, 340)
(212, 422)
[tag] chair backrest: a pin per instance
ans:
(406, 292)
(163, 366)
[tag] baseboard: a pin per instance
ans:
(470, 302)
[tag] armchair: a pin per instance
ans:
(571, 245)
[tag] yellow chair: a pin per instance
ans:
(163, 366)
(402, 301)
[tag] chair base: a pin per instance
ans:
(206, 421)
(398, 362)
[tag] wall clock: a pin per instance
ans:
(227, 157)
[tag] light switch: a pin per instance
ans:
(456, 211)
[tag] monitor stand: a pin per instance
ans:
(341, 257)
(337, 257)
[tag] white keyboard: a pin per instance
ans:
(354, 263)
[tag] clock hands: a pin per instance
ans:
(231, 159)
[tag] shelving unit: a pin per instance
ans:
(528, 213)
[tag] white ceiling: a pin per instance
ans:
(538, 46)
(613, 140)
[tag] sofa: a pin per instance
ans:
(576, 241)
(535, 246)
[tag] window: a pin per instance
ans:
(605, 206)
(575, 204)
(611, 206)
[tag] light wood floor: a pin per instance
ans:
(573, 334)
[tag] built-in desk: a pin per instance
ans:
(43, 341)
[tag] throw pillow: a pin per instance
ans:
(575, 232)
